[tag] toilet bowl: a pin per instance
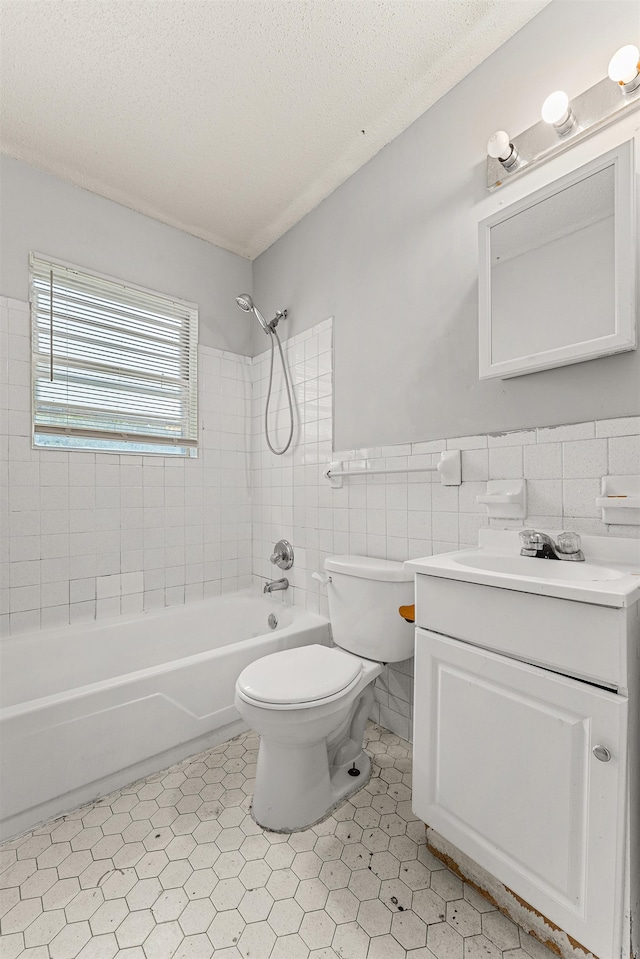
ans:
(310, 705)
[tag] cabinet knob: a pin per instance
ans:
(601, 753)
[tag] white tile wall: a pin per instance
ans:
(289, 499)
(401, 516)
(88, 535)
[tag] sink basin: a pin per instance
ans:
(609, 577)
(546, 569)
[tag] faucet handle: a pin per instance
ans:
(530, 538)
(569, 542)
(282, 555)
(532, 542)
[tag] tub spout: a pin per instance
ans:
(276, 584)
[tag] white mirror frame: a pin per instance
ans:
(624, 337)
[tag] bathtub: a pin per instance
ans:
(89, 708)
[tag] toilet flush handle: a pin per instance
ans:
(323, 578)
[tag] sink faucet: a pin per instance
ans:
(543, 546)
(272, 585)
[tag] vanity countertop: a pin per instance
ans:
(610, 575)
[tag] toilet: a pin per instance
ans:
(310, 704)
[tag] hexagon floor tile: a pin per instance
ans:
(174, 867)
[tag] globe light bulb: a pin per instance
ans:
(555, 109)
(623, 66)
(499, 146)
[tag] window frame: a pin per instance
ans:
(95, 438)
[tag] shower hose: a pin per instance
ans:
(266, 409)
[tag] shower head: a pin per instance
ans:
(245, 302)
(247, 305)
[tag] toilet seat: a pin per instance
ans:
(295, 678)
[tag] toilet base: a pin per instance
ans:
(300, 782)
(342, 787)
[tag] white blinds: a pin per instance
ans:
(111, 362)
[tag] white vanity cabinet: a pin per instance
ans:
(526, 743)
(505, 769)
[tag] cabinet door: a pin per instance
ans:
(504, 769)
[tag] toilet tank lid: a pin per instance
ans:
(366, 567)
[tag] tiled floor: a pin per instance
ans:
(174, 866)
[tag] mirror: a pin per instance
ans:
(557, 278)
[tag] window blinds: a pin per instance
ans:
(110, 361)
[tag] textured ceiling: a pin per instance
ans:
(229, 119)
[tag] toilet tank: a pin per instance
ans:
(364, 596)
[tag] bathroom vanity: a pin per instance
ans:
(526, 730)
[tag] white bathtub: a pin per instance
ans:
(86, 709)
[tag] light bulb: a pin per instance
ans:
(557, 112)
(499, 146)
(623, 66)
(555, 108)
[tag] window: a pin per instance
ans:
(114, 366)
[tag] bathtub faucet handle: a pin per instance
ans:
(282, 555)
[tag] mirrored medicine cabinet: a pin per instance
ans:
(557, 271)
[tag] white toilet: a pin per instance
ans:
(310, 704)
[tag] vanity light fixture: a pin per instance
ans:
(565, 123)
(557, 111)
(500, 148)
(623, 68)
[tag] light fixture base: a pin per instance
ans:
(511, 162)
(597, 107)
(567, 125)
(631, 86)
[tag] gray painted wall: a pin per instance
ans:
(392, 255)
(43, 213)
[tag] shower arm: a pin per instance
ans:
(246, 304)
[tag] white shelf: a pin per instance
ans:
(505, 499)
(616, 501)
(620, 500)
